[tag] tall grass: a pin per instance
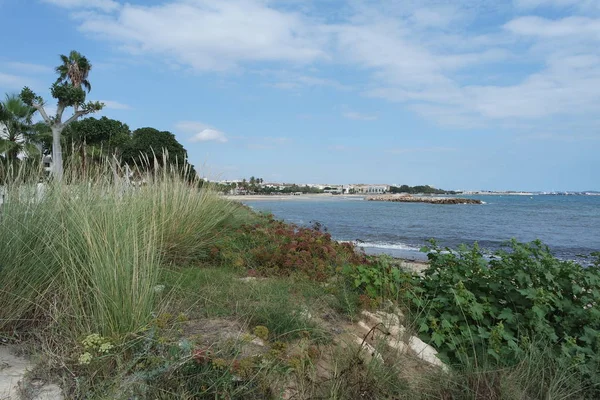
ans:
(86, 254)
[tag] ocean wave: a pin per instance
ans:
(389, 246)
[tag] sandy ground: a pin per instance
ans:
(12, 372)
(281, 197)
(415, 266)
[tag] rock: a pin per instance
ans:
(371, 318)
(425, 352)
(430, 200)
(364, 327)
(390, 321)
(367, 351)
(396, 337)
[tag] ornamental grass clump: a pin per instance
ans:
(85, 255)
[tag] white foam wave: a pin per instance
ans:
(389, 246)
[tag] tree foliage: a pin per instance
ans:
(74, 70)
(68, 91)
(16, 133)
(103, 136)
(146, 143)
(149, 144)
(420, 189)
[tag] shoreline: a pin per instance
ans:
(291, 197)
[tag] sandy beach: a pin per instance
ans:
(303, 197)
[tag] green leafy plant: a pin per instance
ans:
(470, 306)
(379, 280)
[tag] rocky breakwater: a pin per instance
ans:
(423, 199)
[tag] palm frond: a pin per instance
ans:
(86, 84)
(31, 150)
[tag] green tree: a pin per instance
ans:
(148, 144)
(73, 73)
(97, 137)
(16, 133)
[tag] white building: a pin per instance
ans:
(370, 189)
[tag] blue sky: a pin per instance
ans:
(463, 94)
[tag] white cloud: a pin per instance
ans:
(201, 132)
(426, 54)
(580, 4)
(211, 35)
(300, 81)
(115, 105)
(209, 135)
(104, 5)
(542, 27)
(359, 116)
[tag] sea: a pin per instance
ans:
(569, 225)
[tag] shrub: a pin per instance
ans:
(270, 247)
(473, 307)
(380, 280)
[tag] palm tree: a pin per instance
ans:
(16, 133)
(74, 69)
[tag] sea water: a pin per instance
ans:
(569, 225)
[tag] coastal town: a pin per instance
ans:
(254, 186)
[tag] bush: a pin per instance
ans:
(270, 247)
(380, 280)
(472, 307)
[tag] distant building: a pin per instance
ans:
(370, 189)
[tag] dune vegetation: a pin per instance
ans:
(155, 287)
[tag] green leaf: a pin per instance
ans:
(477, 311)
(446, 324)
(507, 314)
(437, 338)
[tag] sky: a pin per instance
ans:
(458, 94)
